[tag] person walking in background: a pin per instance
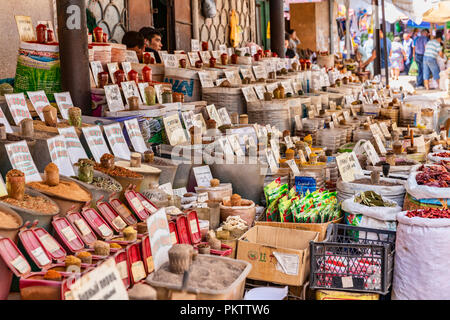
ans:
(371, 48)
(397, 57)
(419, 50)
(433, 48)
(294, 41)
(290, 53)
(408, 47)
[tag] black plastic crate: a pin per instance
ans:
(353, 259)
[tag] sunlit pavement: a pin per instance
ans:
(408, 83)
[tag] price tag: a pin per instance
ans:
(331, 124)
(334, 118)
(353, 159)
(117, 141)
(224, 117)
(289, 142)
(223, 48)
(18, 107)
(135, 135)
(216, 55)
(114, 98)
(40, 256)
(64, 102)
(249, 94)
(345, 168)
(105, 230)
(123, 269)
(203, 176)
(213, 114)
(380, 144)
(347, 282)
(247, 73)
(302, 156)
(235, 144)
(298, 123)
(20, 159)
(195, 45)
(95, 141)
(202, 197)
(287, 85)
(5, 122)
(233, 77)
(260, 90)
(68, 233)
(225, 146)
(349, 99)
(420, 144)
(311, 114)
(371, 153)
(138, 271)
(112, 68)
(148, 206)
(138, 207)
(83, 227)
(260, 72)
(193, 57)
(205, 55)
(142, 86)
(126, 67)
(174, 130)
(291, 163)
(170, 61)
(275, 149)
(131, 56)
(271, 160)
(271, 87)
(60, 155)
(346, 115)
(193, 225)
(21, 264)
(385, 130)
(130, 89)
(205, 79)
(73, 144)
(49, 243)
(25, 28)
(332, 105)
(180, 192)
(375, 129)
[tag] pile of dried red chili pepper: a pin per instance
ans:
(430, 213)
(442, 154)
(434, 176)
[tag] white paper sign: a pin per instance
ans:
(345, 167)
(271, 160)
(117, 141)
(353, 159)
(60, 155)
(193, 58)
(64, 102)
(39, 100)
(380, 144)
(5, 122)
(73, 144)
(247, 73)
(420, 144)
(224, 117)
(260, 72)
(130, 89)
(298, 123)
(158, 91)
(195, 45)
(131, 56)
(174, 129)
(159, 235)
(114, 98)
(260, 90)
(96, 68)
(236, 145)
(95, 141)
(167, 188)
(222, 48)
(126, 67)
(142, 86)
(249, 94)
(102, 283)
(371, 153)
(180, 192)
(233, 77)
(205, 55)
(385, 130)
(213, 114)
(20, 158)
(170, 61)
(203, 176)
(112, 68)
(291, 163)
(18, 107)
(135, 135)
(205, 79)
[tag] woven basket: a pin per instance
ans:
(276, 113)
(185, 81)
(391, 113)
(224, 97)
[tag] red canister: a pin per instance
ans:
(133, 76)
(105, 37)
(50, 37)
(267, 53)
(224, 59)
(257, 57)
(274, 54)
(212, 62)
(103, 79)
(41, 31)
(234, 58)
(204, 46)
(147, 74)
(98, 34)
(119, 75)
(198, 64)
(147, 58)
(183, 63)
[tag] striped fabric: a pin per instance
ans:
(432, 49)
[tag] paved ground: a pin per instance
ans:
(408, 82)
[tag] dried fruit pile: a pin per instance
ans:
(435, 176)
(430, 213)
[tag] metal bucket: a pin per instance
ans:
(45, 220)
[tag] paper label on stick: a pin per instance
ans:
(371, 153)
(202, 197)
(233, 77)
(247, 73)
(5, 122)
(138, 271)
(160, 237)
(95, 141)
(21, 264)
(60, 155)
(384, 130)
(353, 159)
(235, 144)
(73, 144)
(224, 117)
(64, 102)
(117, 141)
(180, 192)
(174, 129)
(142, 86)
(126, 67)
(193, 57)
(114, 98)
(213, 114)
(167, 188)
(271, 160)
(148, 206)
(96, 68)
(205, 55)
(291, 163)
(18, 107)
(289, 143)
(170, 61)
(83, 227)
(49, 243)
(40, 256)
(130, 89)
(380, 144)
(203, 176)
(112, 68)
(375, 129)
(345, 167)
(298, 123)
(260, 72)
(25, 28)
(206, 79)
(135, 135)
(249, 94)
(260, 90)
(20, 158)
(195, 45)
(39, 100)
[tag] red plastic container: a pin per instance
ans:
(122, 265)
(173, 232)
(183, 230)
(148, 205)
(41, 33)
(100, 227)
(136, 266)
(55, 250)
(147, 74)
(133, 76)
(193, 227)
(35, 250)
(146, 58)
(119, 77)
(82, 228)
(136, 205)
(110, 215)
(123, 211)
(67, 235)
(147, 255)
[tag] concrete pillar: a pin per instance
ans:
(73, 50)
(277, 27)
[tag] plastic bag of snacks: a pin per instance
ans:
(316, 207)
(273, 192)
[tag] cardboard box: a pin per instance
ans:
(343, 295)
(262, 246)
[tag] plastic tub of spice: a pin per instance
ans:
(150, 174)
(122, 175)
(102, 185)
(66, 194)
(34, 206)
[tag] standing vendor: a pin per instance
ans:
(371, 48)
(153, 41)
(134, 41)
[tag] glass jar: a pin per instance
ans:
(178, 97)
(224, 59)
(204, 46)
(133, 103)
(147, 74)
(183, 63)
(15, 184)
(167, 96)
(146, 58)
(98, 34)
(198, 64)
(150, 95)
(234, 58)
(86, 170)
(50, 37)
(133, 76)
(105, 37)
(103, 79)
(75, 117)
(41, 31)
(212, 62)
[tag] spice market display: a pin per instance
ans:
(301, 177)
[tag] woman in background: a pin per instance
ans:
(397, 57)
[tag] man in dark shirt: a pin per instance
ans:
(153, 41)
(419, 50)
(134, 41)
